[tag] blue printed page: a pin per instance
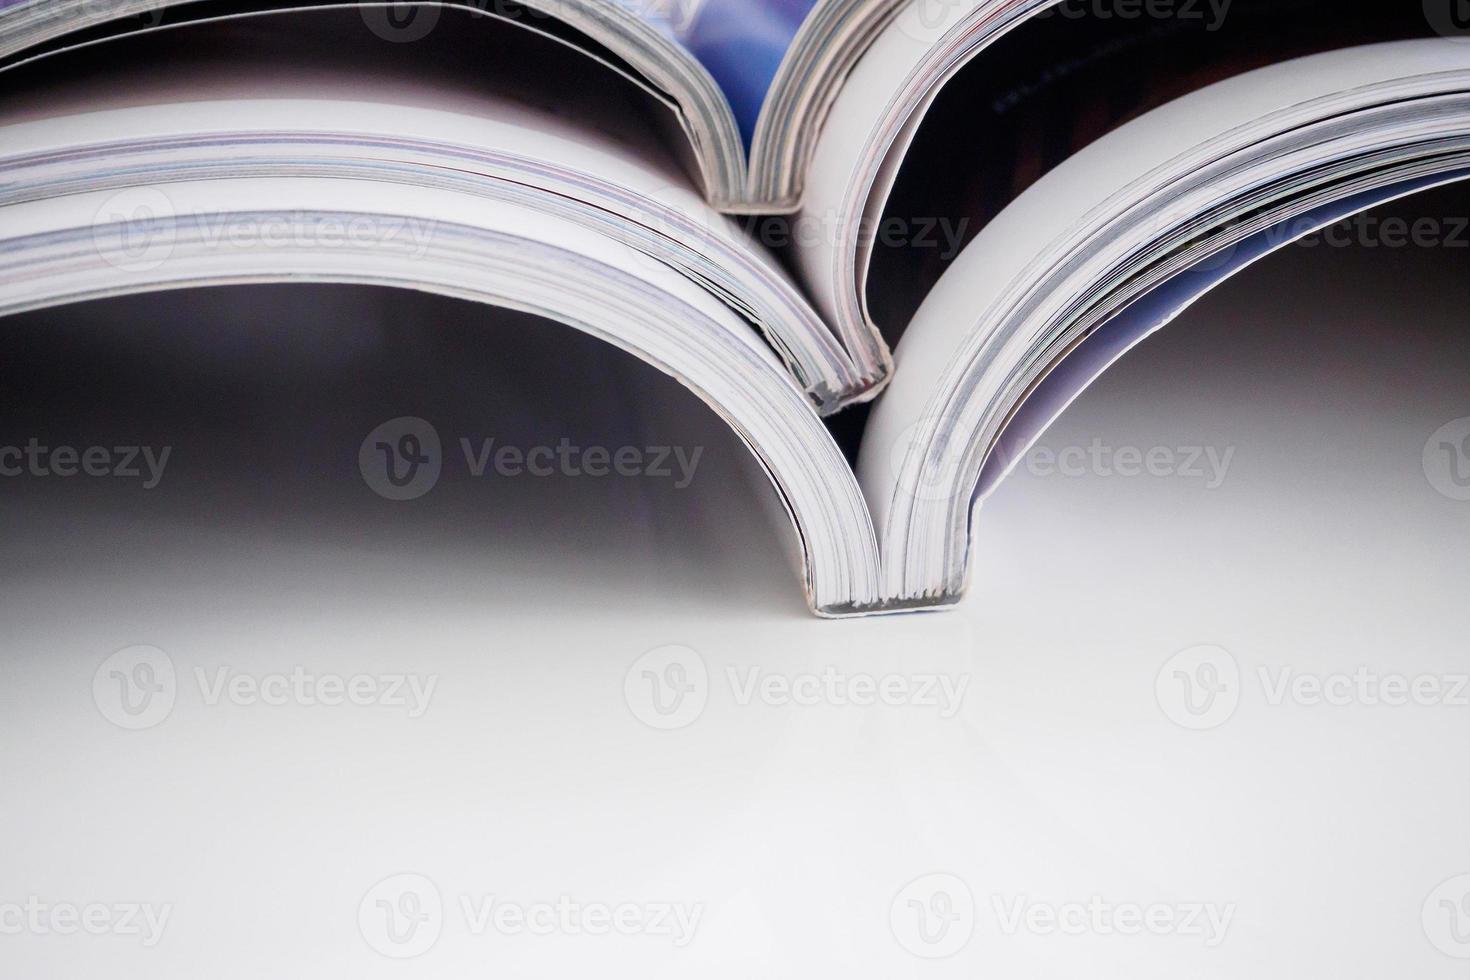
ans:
(740, 42)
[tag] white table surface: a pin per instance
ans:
(1065, 775)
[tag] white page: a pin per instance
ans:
(934, 361)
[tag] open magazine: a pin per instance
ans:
(240, 100)
(983, 97)
(238, 166)
(748, 80)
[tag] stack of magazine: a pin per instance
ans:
(941, 218)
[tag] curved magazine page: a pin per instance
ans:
(958, 107)
(742, 43)
(244, 114)
(1089, 360)
(834, 37)
(750, 81)
(90, 245)
(644, 43)
(1198, 181)
(1065, 77)
(780, 63)
(876, 111)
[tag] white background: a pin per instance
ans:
(801, 833)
